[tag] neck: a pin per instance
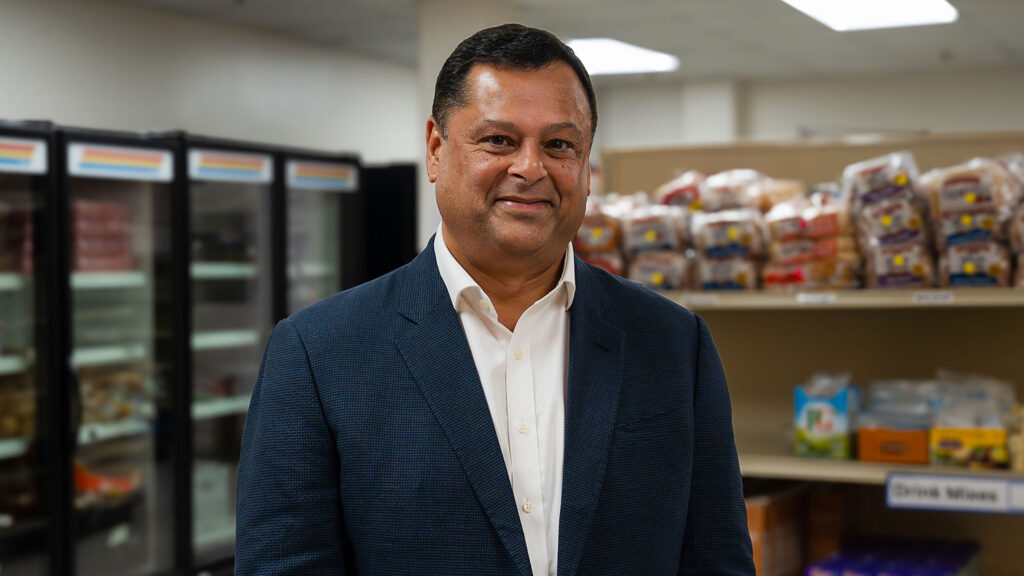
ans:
(513, 285)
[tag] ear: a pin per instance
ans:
(435, 142)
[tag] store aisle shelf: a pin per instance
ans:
(220, 339)
(99, 355)
(760, 459)
(10, 282)
(102, 432)
(13, 365)
(104, 280)
(851, 299)
(12, 448)
(222, 270)
(207, 409)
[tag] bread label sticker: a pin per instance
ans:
(817, 298)
(932, 298)
(954, 493)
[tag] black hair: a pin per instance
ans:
(507, 46)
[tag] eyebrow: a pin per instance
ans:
(511, 127)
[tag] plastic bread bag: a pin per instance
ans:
(895, 221)
(829, 194)
(769, 192)
(660, 270)
(681, 218)
(979, 387)
(731, 233)
(685, 190)
(1019, 280)
(599, 231)
(728, 274)
(981, 185)
(649, 228)
(1014, 166)
(803, 250)
(731, 189)
(957, 229)
(785, 221)
(981, 264)
(904, 266)
(839, 273)
(610, 262)
(1016, 226)
(887, 177)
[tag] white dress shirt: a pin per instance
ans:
(524, 374)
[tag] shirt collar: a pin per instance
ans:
(457, 280)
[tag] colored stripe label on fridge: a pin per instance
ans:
(120, 163)
(23, 156)
(327, 176)
(230, 166)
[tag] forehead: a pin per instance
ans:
(552, 89)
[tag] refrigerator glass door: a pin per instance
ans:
(23, 520)
(122, 357)
(232, 317)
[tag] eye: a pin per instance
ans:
(559, 145)
(498, 140)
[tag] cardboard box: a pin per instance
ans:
(889, 445)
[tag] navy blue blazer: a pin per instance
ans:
(369, 447)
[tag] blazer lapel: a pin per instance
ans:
(438, 355)
(595, 377)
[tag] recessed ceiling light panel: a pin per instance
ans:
(609, 56)
(846, 15)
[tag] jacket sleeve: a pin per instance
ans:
(717, 540)
(289, 511)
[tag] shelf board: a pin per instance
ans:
(311, 269)
(100, 355)
(207, 409)
(101, 432)
(221, 339)
(208, 538)
(13, 365)
(222, 270)
(11, 281)
(851, 299)
(758, 459)
(12, 448)
(101, 280)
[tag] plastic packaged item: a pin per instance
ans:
(824, 220)
(732, 233)
(685, 190)
(891, 176)
(770, 192)
(981, 185)
(731, 189)
(894, 425)
(727, 274)
(979, 264)
(891, 222)
(610, 262)
(959, 229)
(649, 229)
(660, 270)
(1016, 226)
(898, 267)
(803, 250)
(839, 273)
(1019, 279)
(785, 221)
(599, 232)
(825, 410)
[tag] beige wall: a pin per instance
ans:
(114, 65)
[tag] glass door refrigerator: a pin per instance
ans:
(122, 216)
(234, 214)
(30, 514)
(325, 222)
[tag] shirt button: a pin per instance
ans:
(527, 506)
(483, 304)
(523, 428)
(517, 354)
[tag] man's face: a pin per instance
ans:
(513, 176)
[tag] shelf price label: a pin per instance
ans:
(817, 298)
(932, 298)
(700, 300)
(954, 493)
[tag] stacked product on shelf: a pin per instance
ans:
(812, 244)
(112, 394)
(597, 240)
(891, 221)
(652, 242)
(16, 247)
(1014, 165)
(902, 558)
(101, 236)
(953, 420)
(17, 408)
(969, 205)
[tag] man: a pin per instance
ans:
(496, 407)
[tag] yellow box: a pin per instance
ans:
(969, 447)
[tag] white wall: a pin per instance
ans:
(114, 65)
(696, 113)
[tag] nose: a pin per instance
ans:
(526, 163)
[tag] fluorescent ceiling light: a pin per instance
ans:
(608, 56)
(844, 15)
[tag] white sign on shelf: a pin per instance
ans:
(817, 298)
(954, 493)
(239, 167)
(932, 298)
(120, 163)
(695, 300)
(23, 156)
(324, 176)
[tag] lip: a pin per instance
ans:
(520, 203)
